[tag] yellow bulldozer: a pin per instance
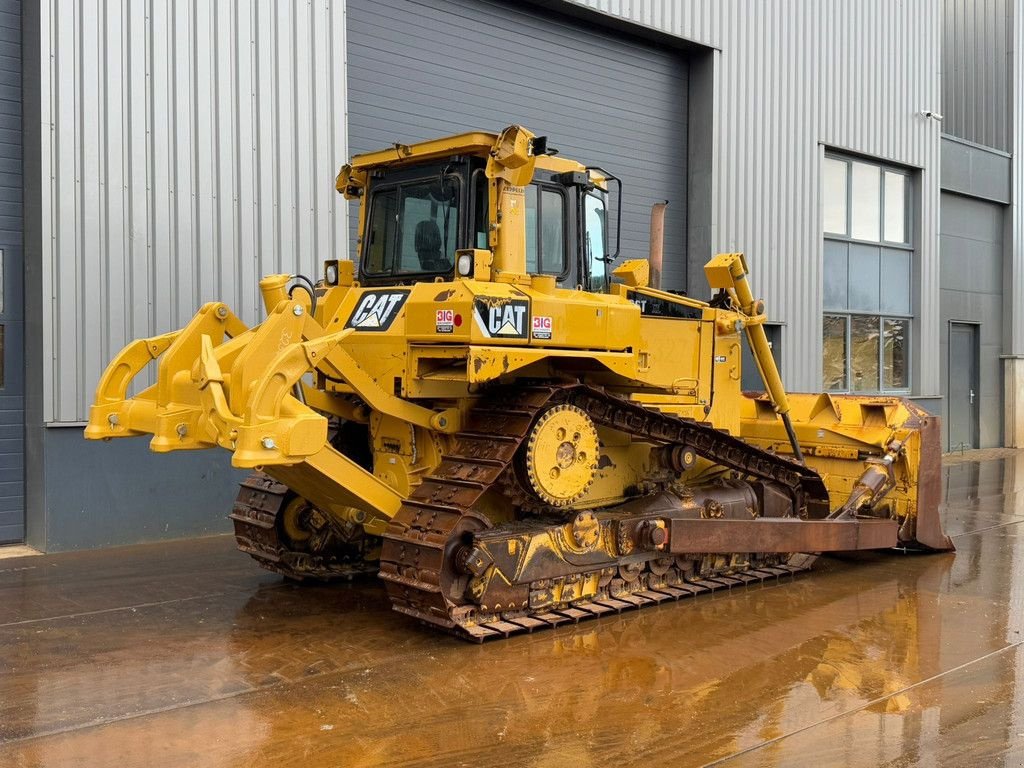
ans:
(513, 426)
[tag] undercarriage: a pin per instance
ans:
(445, 561)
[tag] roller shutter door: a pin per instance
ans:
(427, 68)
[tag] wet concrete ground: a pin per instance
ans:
(185, 654)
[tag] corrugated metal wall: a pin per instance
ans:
(791, 77)
(1013, 289)
(976, 71)
(192, 147)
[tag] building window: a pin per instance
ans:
(868, 271)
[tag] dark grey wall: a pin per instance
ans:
(971, 255)
(117, 492)
(12, 382)
(418, 70)
(700, 246)
(35, 516)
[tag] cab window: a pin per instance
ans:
(545, 231)
(481, 225)
(413, 228)
(380, 236)
(594, 241)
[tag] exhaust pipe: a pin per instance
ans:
(657, 242)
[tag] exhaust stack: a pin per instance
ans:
(657, 242)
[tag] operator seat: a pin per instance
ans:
(428, 247)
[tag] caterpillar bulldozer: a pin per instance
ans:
(509, 423)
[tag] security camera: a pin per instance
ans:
(933, 115)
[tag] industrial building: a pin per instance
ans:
(865, 156)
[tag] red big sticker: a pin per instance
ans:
(445, 320)
(541, 327)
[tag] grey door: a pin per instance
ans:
(971, 291)
(12, 365)
(962, 430)
(429, 68)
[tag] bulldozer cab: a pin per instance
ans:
(417, 216)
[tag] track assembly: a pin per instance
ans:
(444, 564)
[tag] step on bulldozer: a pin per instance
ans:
(509, 423)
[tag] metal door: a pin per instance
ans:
(962, 430)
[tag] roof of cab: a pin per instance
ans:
(477, 143)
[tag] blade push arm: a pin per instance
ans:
(728, 272)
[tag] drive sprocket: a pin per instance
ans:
(560, 456)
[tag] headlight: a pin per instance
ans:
(465, 264)
(331, 273)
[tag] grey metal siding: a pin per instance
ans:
(12, 387)
(976, 65)
(192, 147)
(1013, 270)
(975, 171)
(971, 242)
(791, 78)
(423, 69)
(188, 148)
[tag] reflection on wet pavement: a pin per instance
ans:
(185, 654)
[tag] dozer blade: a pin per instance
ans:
(845, 437)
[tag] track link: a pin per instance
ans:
(256, 515)
(417, 558)
(486, 628)
(416, 543)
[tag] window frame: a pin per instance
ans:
(385, 186)
(371, 209)
(908, 245)
(479, 186)
(542, 187)
(848, 389)
(602, 196)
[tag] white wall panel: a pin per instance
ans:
(189, 147)
(792, 77)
